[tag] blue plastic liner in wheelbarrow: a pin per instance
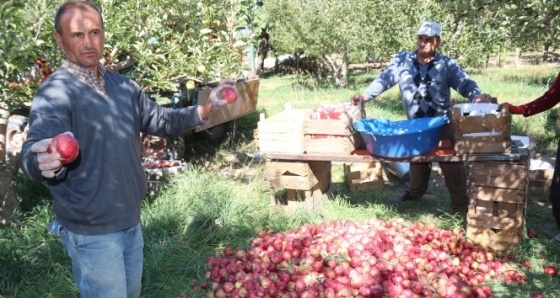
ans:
(401, 139)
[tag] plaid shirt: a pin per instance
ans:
(87, 76)
(425, 89)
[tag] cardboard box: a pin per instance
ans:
(476, 134)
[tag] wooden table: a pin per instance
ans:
(444, 153)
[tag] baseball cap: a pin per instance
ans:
(430, 29)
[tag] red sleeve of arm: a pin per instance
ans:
(548, 100)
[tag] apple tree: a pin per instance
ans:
(523, 24)
(341, 32)
(173, 41)
(26, 61)
(334, 32)
(162, 44)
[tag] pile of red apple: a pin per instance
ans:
(394, 258)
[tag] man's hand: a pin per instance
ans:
(49, 163)
(357, 99)
(517, 110)
(214, 99)
(484, 98)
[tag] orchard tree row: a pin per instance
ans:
(337, 33)
(161, 42)
(155, 42)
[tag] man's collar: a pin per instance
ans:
(413, 55)
(101, 69)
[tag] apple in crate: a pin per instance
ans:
(66, 145)
(229, 94)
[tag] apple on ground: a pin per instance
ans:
(551, 270)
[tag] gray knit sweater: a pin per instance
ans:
(101, 191)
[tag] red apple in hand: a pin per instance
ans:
(229, 94)
(66, 146)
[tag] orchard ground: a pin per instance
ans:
(224, 200)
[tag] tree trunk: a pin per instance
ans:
(9, 204)
(4, 115)
(546, 47)
(263, 49)
(517, 56)
(338, 68)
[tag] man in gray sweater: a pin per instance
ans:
(97, 197)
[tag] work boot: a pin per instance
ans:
(403, 198)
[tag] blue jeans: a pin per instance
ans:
(105, 265)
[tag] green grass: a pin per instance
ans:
(224, 202)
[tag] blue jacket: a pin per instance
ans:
(101, 191)
(418, 81)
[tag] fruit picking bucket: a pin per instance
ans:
(401, 139)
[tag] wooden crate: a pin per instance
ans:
(539, 184)
(498, 200)
(332, 135)
(282, 132)
(482, 133)
(304, 184)
(293, 131)
(364, 176)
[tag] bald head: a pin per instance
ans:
(79, 4)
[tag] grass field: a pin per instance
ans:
(224, 200)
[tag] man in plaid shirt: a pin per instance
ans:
(425, 79)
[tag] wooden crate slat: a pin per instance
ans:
(501, 182)
(367, 184)
(498, 169)
(281, 167)
(466, 146)
(342, 127)
(372, 171)
(372, 174)
(331, 144)
(486, 123)
(494, 222)
(497, 240)
(493, 194)
(360, 166)
(294, 182)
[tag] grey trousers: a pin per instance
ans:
(453, 172)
